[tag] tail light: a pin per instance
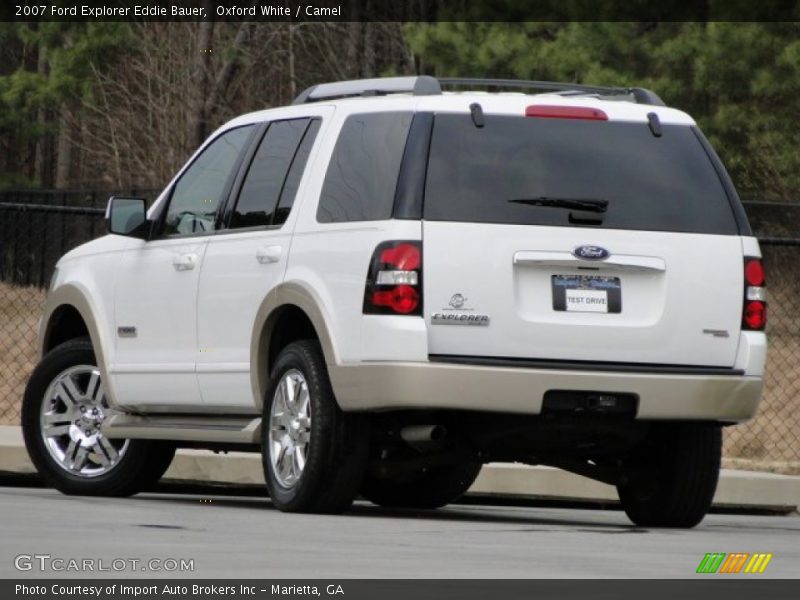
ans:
(754, 315)
(394, 280)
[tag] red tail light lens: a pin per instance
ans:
(402, 299)
(754, 272)
(403, 257)
(394, 279)
(754, 314)
(565, 112)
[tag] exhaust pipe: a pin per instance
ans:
(422, 433)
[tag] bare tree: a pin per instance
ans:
(151, 112)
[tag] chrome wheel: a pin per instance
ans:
(72, 412)
(290, 428)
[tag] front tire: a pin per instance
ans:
(63, 410)
(314, 454)
(432, 488)
(672, 481)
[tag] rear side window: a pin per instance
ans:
(504, 172)
(362, 176)
(295, 173)
(264, 182)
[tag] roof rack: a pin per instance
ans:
(424, 85)
(421, 85)
(640, 95)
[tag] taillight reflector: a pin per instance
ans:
(565, 112)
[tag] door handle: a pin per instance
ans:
(269, 254)
(184, 262)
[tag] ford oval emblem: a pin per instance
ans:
(590, 253)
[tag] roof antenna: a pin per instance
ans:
(476, 112)
(655, 124)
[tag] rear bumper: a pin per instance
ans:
(427, 385)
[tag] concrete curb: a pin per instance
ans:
(737, 489)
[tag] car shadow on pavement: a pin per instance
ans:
(517, 514)
(475, 509)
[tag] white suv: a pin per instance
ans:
(383, 287)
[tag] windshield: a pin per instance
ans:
(533, 171)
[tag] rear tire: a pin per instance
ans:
(314, 454)
(672, 481)
(433, 488)
(62, 413)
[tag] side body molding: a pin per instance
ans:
(291, 293)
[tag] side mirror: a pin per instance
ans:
(127, 216)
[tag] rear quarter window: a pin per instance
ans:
(665, 183)
(362, 176)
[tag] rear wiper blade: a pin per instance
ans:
(588, 204)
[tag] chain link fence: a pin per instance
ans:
(36, 228)
(771, 441)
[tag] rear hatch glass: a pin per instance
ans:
(488, 174)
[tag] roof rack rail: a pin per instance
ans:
(640, 95)
(424, 85)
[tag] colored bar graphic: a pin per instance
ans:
(767, 558)
(701, 568)
(711, 562)
(720, 562)
(734, 562)
(728, 561)
(758, 563)
(741, 562)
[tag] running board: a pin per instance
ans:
(200, 428)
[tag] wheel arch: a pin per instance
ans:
(290, 312)
(69, 314)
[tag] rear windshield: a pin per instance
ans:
(515, 169)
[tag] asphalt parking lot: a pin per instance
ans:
(243, 536)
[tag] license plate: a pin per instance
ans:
(587, 293)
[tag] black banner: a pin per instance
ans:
(398, 11)
(350, 589)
